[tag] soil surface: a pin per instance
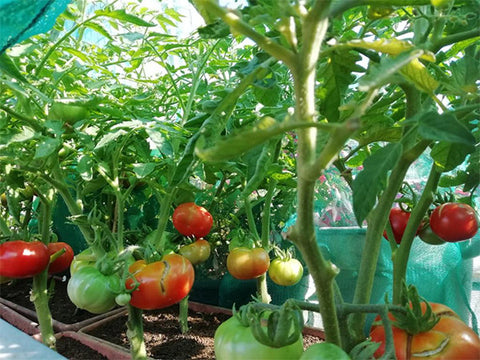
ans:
(162, 334)
(61, 307)
(163, 337)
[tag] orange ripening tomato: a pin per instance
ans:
(244, 263)
(161, 283)
(449, 339)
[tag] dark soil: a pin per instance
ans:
(75, 350)
(163, 338)
(62, 309)
(162, 334)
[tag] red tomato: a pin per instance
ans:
(161, 283)
(63, 262)
(449, 339)
(454, 222)
(22, 259)
(398, 220)
(244, 263)
(197, 252)
(192, 220)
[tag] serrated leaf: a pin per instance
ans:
(448, 156)
(143, 170)
(76, 53)
(387, 68)
(372, 179)
(389, 46)
(85, 168)
(107, 139)
(8, 67)
(123, 16)
(47, 147)
(445, 127)
(417, 73)
(25, 135)
(99, 29)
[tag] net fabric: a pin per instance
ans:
(447, 274)
(21, 19)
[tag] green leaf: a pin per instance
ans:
(143, 170)
(371, 181)
(123, 16)
(107, 139)
(85, 168)
(388, 67)
(445, 127)
(47, 147)
(76, 53)
(418, 74)
(337, 74)
(8, 67)
(448, 156)
(99, 29)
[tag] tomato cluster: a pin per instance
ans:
(23, 259)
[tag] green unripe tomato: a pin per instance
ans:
(324, 351)
(123, 299)
(233, 341)
(67, 112)
(285, 272)
(90, 290)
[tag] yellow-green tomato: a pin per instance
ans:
(68, 112)
(440, 3)
(285, 272)
(197, 252)
(324, 351)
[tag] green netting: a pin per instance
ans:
(20, 19)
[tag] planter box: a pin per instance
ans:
(108, 350)
(57, 325)
(162, 331)
(16, 319)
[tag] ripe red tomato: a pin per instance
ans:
(63, 262)
(398, 220)
(285, 272)
(454, 222)
(161, 283)
(197, 252)
(449, 339)
(192, 220)
(22, 259)
(244, 263)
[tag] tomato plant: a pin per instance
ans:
(324, 351)
(161, 283)
(244, 263)
(63, 262)
(236, 341)
(93, 291)
(449, 339)
(22, 259)
(454, 222)
(192, 220)
(286, 271)
(197, 252)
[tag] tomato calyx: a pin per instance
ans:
(273, 326)
(412, 318)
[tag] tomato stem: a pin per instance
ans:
(135, 333)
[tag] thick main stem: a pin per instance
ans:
(135, 333)
(401, 256)
(39, 294)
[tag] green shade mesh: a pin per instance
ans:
(21, 19)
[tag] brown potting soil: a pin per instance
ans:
(162, 334)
